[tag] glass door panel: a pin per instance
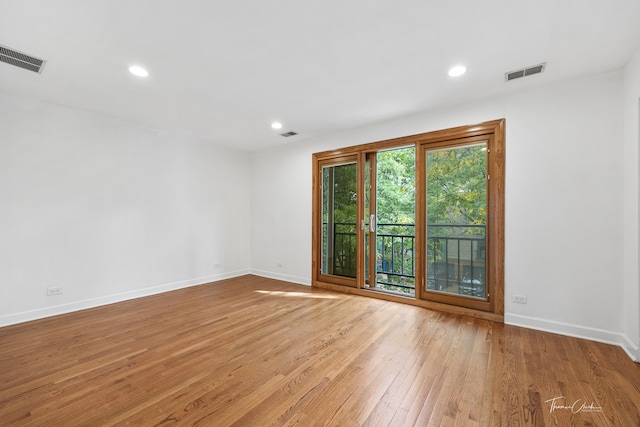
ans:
(420, 216)
(339, 219)
(391, 223)
(456, 211)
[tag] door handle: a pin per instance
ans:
(372, 223)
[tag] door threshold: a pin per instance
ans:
(389, 292)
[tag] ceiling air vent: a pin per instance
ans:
(524, 72)
(288, 134)
(21, 60)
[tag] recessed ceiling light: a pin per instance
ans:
(138, 71)
(458, 70)
(276, 125)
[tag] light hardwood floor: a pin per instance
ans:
(251, 351)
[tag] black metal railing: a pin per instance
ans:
(344, 260)
(395, 262)
(455, 256)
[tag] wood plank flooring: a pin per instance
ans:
(251, 351)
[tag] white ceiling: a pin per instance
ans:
(223, 70)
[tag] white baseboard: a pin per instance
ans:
(40, 313)
(576, 331)
(633, 350)
(283, 277)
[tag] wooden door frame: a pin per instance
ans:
(485, 304)
(495, 168)
(316, 261)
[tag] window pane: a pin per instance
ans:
(456, 220)
(395, 235)
(339, 220)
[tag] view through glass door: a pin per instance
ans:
(417, 219)
(339, 219)
(390, 221)
(457, 220)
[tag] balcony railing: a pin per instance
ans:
(455, 256)
(456, 259)
(395, 263)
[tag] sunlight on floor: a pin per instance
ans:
(299, 294)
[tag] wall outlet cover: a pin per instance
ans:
(54, 290)
(520, 299)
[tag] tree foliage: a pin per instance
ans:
(396, 186)
(456, 186)
(343, 181)
(456, 195)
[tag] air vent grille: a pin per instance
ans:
(288, 134)
(21, 60)
(524, 72)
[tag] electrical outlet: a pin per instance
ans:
(520, 299)
(54, 290)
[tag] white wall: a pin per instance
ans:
(564, 199)
(109, 210)
(631, 306)
(281, 213)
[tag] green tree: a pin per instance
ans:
(456, 186)
(396, 186)
(343, 179)
(339, 209)
(456, 195)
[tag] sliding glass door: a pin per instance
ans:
(390, 220)
(339, 218)
(456, 221)
(418, 219)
